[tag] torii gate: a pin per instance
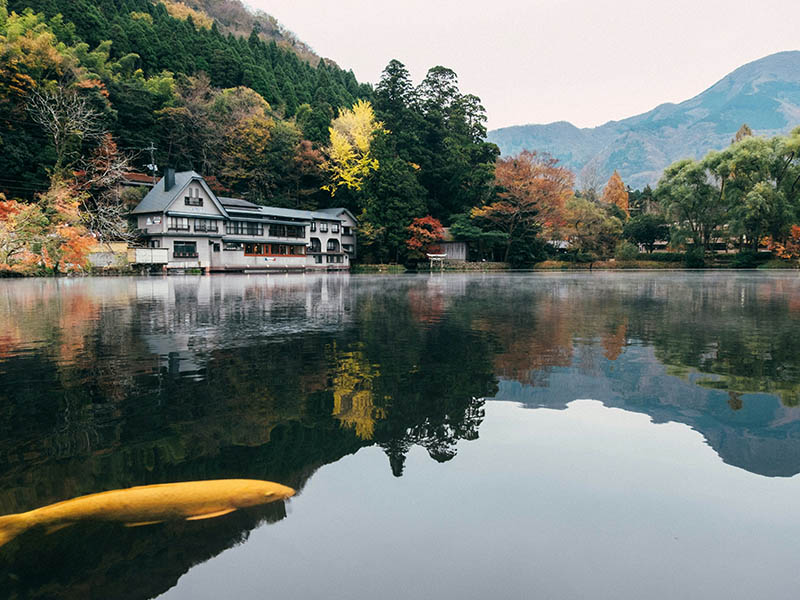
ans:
(437, 258)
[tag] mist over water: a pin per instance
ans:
(611, 435)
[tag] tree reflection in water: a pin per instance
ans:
(112, 383)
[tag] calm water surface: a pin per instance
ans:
(611, 435)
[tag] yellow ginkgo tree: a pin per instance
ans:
(349, 159)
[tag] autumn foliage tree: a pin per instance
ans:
(615, 193)
(788, 249)
(349, 157)
(45, 236)
(532, 192)
(425, 235)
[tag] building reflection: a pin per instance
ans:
(111, 383)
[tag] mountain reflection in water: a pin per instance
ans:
(113, 383)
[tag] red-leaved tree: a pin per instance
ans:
(425, 235)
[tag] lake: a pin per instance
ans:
(519, 435)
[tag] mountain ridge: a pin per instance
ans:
(764, 93)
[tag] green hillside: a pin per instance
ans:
(149, 68)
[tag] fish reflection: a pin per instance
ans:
(149, 504)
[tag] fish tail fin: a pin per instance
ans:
(11, 526)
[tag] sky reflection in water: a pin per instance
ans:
(360, 382)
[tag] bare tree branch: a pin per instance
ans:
(67, 117)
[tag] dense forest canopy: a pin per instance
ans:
(90, 88)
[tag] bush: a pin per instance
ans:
(524, 253)
(749, 259)
(745, 259)
(626, 251)
(695, 258)
(779, 263)
(579, 256)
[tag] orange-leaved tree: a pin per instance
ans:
(47, 234)
(615, 193)
(425, 235)
(789, 249)
(532, 192)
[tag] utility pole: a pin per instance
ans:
(152, 166)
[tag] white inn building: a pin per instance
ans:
(202, 230)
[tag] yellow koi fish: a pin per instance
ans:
(149, 504)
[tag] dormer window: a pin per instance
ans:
(193, 199)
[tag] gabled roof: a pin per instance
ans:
(337, 212)
(157, 200)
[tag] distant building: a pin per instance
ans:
(202, 230)
(455, 250)
(137, 180)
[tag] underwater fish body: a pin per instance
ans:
(143, 505)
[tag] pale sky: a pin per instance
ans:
(538, 61)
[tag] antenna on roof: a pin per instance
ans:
(152, 166)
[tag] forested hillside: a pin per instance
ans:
(143, 57)
(87, 86)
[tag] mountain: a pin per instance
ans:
(765, 94)
(233, 16)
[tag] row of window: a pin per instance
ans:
(330, 258)
(184, 249)
(316, 245)
(244, 228)
(200, 225)
(247, 228)
(273, 250)
(290, 231)
(323, 227)
(189, 250)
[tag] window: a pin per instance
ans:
(215, 247)
(208, 225)
(323, 227)
(243, 228)
(313, 226)
(193, 199)
(256, 249)
(297, 250)
(318, 259)
(333, 245)
(154, 243)
(291, 231)
(346, 230)
(316, 245)
(178, 224)
(334, 258)
(232, 246)
(184, 249)
(335, 228)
